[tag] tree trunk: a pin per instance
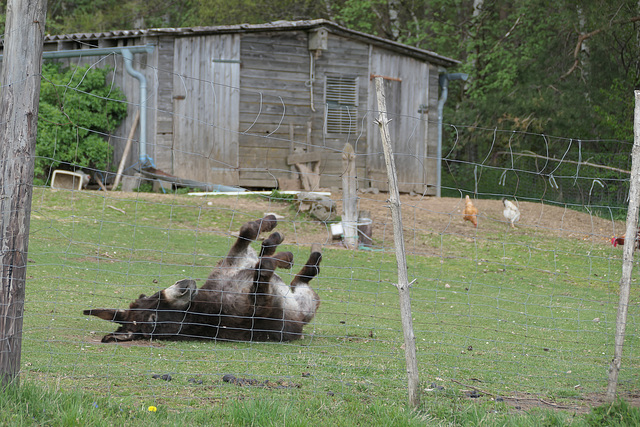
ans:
(20, 80)
(394, 21)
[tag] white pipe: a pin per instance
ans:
(128, 60)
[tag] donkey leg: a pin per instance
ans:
(270, 244)
(283, 260)
(261, 289)
(248, 233)
(309, 271)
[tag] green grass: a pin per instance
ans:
(512, 314)
(35, 405)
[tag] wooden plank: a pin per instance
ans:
(257, 126)
(164, 126)
(283, 63)
(274, 113)
(270, 44)
(314, 156)
(263, 158)
(251, 141)
(282, 85)
(285, 79)
(265, 109)
(258, 182)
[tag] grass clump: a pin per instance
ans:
(30, 404)
(618, 413)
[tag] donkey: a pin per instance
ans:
(243, 298)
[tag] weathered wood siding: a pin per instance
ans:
(206, 100)
(161, 85)
(432, 135)
(274, 101)
(230, 108)
(277, 78)
(343, 57)
(147, 65)
(407, 87)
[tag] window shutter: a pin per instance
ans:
(341, 99)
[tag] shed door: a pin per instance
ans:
(406, 88)
(206, 106)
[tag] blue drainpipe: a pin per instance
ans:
(127, 53)
(145, 161)
(444, 86)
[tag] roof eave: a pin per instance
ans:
(415, 52)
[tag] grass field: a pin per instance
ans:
(503, 325)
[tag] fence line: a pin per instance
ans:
(520, 313)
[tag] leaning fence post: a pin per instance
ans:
(349, 197)
(403, 281)
(630, 243)
(20, 82)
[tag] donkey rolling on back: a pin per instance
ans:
(243, 299)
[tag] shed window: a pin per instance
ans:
(341, 101)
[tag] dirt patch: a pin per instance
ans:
(431, 215)
(583, 405)
(420, 214)
(136, 343)
(523, 402)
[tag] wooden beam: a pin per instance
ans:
(314, 156)
(20, 82)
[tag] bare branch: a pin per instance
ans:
(585, 36)
(538, 156)
(507, 34)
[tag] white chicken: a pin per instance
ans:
(510, 212)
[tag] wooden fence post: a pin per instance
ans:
(398, 236)
(20, 80)
(349, 197)
(127, 148)
(627, 257)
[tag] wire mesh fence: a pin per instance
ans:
(517, 313)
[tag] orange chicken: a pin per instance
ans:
(470, 212)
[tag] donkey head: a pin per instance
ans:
(161, 315)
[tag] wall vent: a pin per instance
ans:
(341, 101)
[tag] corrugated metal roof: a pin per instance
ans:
(95, 36)
(271, 26)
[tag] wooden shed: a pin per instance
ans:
(239, 105)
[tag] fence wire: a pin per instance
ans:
(524, 312)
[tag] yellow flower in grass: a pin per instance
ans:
(152, 409)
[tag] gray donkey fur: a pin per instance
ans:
(243, 299)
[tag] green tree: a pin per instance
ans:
(77, 111)
(223, 12)
(564, 68)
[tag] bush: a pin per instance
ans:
(77, 110)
